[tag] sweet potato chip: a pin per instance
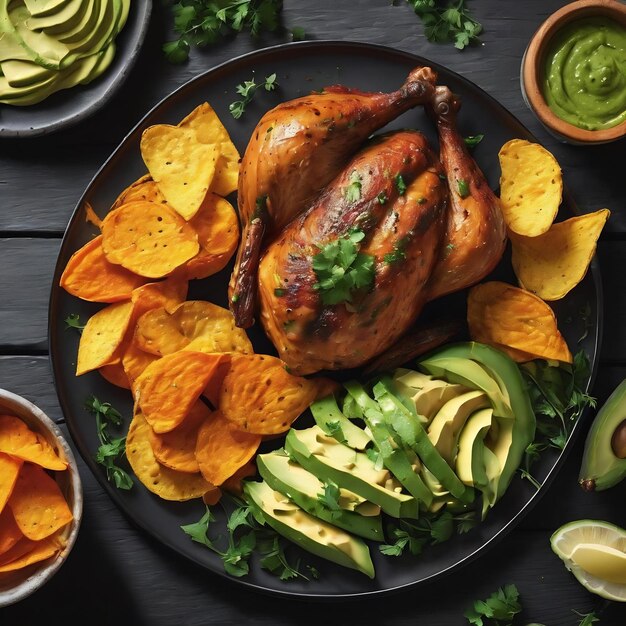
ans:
(531, 187)
(217, 226)
(195, 325)
(18, 440)
(222, 448)
(135, 361)
(115, 374)
(259, 396)
(210, 130)
(212, 497)
(176, 449)
(10, 532)
(148, 239)
(234, 483)
(103, 336)
(169, 387)
(37, 503)
(168, 293)
(160, 480)
(214, 386)
(180, 164)
(17, 551)
(89, 276)
(552, 264)
(507, 316)
(9, 470)
(33, 552)
(143, 188)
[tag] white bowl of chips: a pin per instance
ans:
(41, 498)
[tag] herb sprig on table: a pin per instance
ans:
(247, 89)
(202, 22)
(110, 449)
(447, 22)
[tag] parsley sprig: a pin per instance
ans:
(110, 449)
(498, 609)
(447, 22)
(341, 269)
(73, 321)
(245, 536)
(247, 89)
(203, 22)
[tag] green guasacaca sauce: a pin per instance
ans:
(585, 73)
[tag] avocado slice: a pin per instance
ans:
(326, 412)
(395, 458)
(44, 7)
(476, 464)
(604, 457)
(328, 459)
(444, 430)
(285, 475)
(310, 533)
(66, 18)
(24, 73)
(84, 26)
(427, 394)
(412, 434)
(520, 408)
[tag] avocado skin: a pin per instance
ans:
(601, 468)
(257, 492)
(271, 466)
(505, 371)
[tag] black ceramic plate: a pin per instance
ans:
(69, 106)
(300, 68)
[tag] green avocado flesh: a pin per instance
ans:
(354, 513)
(604, 457)
(310, 533)
(49, 46)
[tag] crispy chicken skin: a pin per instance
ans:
(296, 149)
(403, 228)
(475, 236)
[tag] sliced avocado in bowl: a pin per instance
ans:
(304, 489)
(310, 533)
(66, 18)
(329, 418)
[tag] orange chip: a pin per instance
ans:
(91, 216)
(168, 293)
(32, 552)
(115, 374)
(508, 317)
(18, 440)
(103, 336)
(147, 238)
(195, 325)
(234, 483)
(37, 503)
(169, 387)
(163, 481)
(222, 448)
(217, 226)
(176, 449)
(213, 496)
(325, 387)
(10, 532)
(9, 470)
(135, 361)
(143, 188)
(17, 551)
(212, 390)
(259, 396)
(88, 275)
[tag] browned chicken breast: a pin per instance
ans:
(346, 279)
(295, 151)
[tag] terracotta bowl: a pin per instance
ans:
(532, 71)
(22, 583)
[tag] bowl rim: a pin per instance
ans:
(43, 572)
(532, 69)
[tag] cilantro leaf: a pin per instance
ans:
(334, 430)
(464, 189)
(352, 192)
(200, 23)
(330, 496)
(473, 140)
(501, 607)
(341, 269)
(247, 89)
(587, 618)
(73, 321)
(110, 449)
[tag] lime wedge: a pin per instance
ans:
(595, 552)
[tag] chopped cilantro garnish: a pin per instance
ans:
(400, 184)
(473, 140)
(464, 190)
(353, 190)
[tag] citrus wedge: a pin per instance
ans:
(595, 552)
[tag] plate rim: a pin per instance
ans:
(143, 15)
(597, 333)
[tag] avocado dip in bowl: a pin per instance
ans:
(574, 72)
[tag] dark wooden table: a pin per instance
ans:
(117, 574)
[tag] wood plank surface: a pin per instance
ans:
(117, 574)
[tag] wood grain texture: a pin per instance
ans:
(117, 573)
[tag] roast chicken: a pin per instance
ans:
(316, 203)
(295, 151)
